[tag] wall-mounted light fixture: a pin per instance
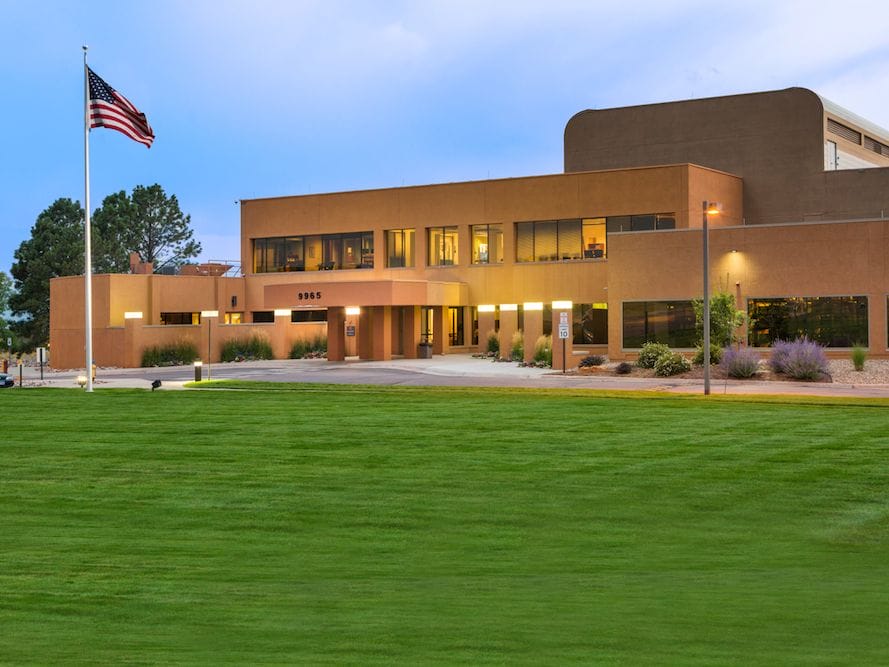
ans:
(533, 305)
(487, 308)
(353, 310)
(133, 315)
(508, 307)
(562, 305)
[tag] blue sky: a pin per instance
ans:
(264, 98)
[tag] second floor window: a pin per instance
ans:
(400, 248)
(487, 244)
(441, 246)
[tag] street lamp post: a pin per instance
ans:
(709, 208)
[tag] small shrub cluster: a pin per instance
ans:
(591, 360)
(172, 354)
(671, 363)
(623, 368)
(247, 349)
(859, 356)
(309, 348)
(802, 359)
(715, 355)
(741, 363)
(517, 350)
(493, 343)
(543, 350)
(650, 353)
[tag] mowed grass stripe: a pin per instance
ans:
(328, 524)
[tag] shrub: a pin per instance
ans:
(543, 350)
(780, 352)
(247, 349)
(802, 359)
(623, 368)
(859, 356)
(592, 360)
(715, 355)
(493, 343)
(671, 363)
(650, 353)
(173, 354)
(740, 363)
(517, 350)
(309, 348)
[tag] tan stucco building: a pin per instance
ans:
(612, 247)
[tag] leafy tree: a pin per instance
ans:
(148, 222)
(724, 318)
(54, 249)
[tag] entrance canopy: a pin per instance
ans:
(323, 294)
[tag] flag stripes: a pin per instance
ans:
(108, 108)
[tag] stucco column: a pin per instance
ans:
(336, 333)
(440, 324)
(279, 340)
(365, 333)
(210, 337)
(382, 333)
(509, 323)
(562, 314)
(533, 328)
(132, 340)
(410, 333)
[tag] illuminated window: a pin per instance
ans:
(487, 244)
(400, 248)
(441, 246)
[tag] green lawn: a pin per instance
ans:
(316, 524)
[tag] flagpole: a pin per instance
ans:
(87, 249)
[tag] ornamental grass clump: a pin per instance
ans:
(517, 349)
(493, 343)
(623, 368)
(859, 356)
(309, 348)
(173, 354)
(803, 359)
(650, 353)
(543, 351)
(247, 349)
(740, 363)
(671, 363)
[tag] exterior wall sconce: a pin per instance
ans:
(353, 310)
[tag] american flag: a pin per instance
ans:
(108, 108)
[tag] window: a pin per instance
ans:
(313, 253)
(263, 316)
(180, 318)
(487, 244)
(455, 329)
(234, 318)
(833, 321)
(308, 315)
(441, 246)
(594, 238)
(590, 323)
(640, 222)
(400, 248)
(670, 322)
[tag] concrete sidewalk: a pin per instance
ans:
(447, 370)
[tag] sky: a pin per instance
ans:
(263, 98)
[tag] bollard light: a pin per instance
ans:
(197, 370)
